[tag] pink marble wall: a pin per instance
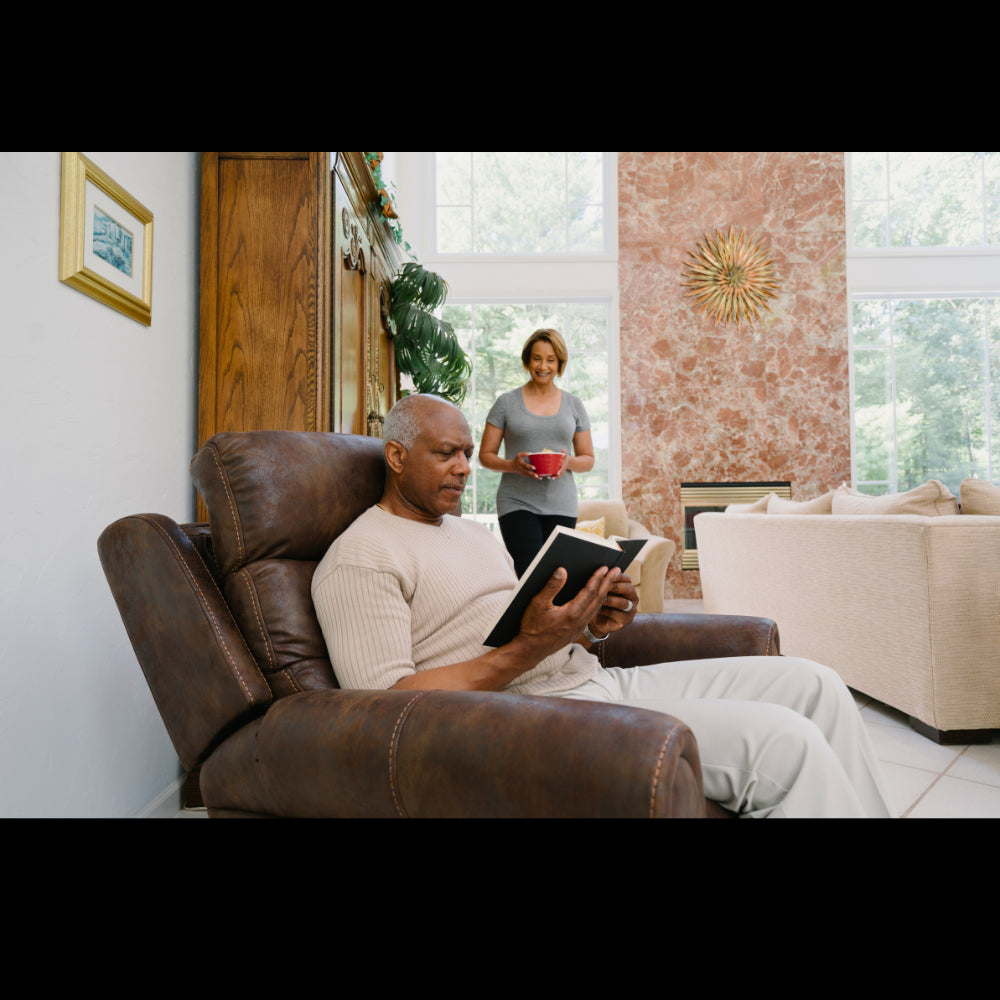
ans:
(704, 402)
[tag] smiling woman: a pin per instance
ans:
(537, 417)
(526, 241)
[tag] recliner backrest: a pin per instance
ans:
(276, 500)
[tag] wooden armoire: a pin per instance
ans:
(296, 262)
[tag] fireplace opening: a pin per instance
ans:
(700, 498)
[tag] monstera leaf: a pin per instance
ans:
(416, 284)
(426, 346)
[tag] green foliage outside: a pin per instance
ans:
(942, 358)
(926, 199)
(493, 335)
(520, 203)
(926, 371)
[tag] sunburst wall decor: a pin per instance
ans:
(731, 277)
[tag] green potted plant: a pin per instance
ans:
(427, 349)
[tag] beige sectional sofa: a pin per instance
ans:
(900, 595)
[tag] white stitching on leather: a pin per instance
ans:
(205, 607)
(232, 501)
(248, 580)
(656, 771)
(394, 747)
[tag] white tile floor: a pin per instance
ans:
(926, 781)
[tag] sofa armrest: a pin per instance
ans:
(653, 561)
(668, 638)
(444, 754)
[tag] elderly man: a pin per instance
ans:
(406, 595)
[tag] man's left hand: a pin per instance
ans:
(618, 610)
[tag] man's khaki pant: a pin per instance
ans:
(777, 736)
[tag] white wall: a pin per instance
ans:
(98, 418)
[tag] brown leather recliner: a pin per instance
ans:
(222, 622)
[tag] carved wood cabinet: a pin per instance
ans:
(296, 262)
(365, 259)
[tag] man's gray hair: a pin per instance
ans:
(402, 424)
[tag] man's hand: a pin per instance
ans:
(545, 629)
(618, 609)
(563, 625)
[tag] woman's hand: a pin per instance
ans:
(523, 467)
(563, 467)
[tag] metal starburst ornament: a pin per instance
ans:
(731, 277)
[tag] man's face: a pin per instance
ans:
(436, 469)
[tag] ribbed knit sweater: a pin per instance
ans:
(395, 597)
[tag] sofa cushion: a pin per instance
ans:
(821, 505)
(980, 497)
(614, 512)
(933, 499)
(592, 527)
(757, 507)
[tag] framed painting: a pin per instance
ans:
(106, 240)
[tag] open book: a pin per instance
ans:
(580, 554)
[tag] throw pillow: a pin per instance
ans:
(933, 499)
(592, 527)
(821, 505)
(980, 497)
(757, 507)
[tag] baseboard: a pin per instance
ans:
(167, 804)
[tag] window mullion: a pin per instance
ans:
(472, 201)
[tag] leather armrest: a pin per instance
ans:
(454, 754)
(668, 638)
(203, 678)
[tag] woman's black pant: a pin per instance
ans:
(525, 533)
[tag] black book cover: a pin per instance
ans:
(581, 555)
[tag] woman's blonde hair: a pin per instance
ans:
(554, 337)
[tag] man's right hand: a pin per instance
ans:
(558, 626)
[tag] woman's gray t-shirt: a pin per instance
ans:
(524, 431)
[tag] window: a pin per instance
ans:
(927, 392)
(924, 281)
(525, 241)
(493, 334)
(520, 203)
(938, 200)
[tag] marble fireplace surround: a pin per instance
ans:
(704, 402)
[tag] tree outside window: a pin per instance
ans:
(926, 367)
(520, 203)
(493, 335)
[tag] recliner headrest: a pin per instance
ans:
(284, 494)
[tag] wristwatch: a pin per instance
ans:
(590, 637)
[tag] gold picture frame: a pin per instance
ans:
(106, 240)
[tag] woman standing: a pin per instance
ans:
(539, 416)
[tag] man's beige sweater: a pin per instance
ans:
(395, 596)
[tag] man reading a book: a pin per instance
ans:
(408, 593)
